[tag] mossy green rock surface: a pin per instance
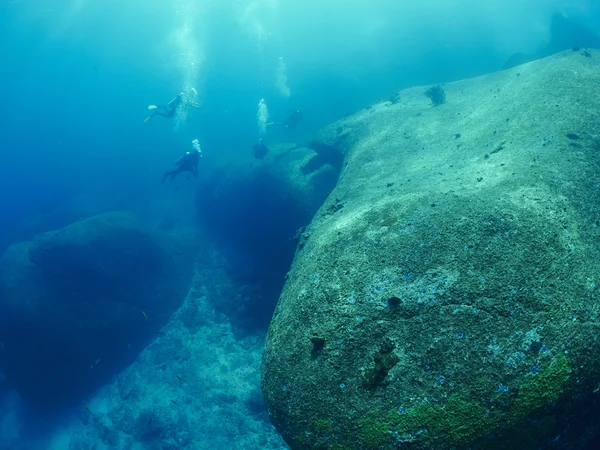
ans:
(447, 295)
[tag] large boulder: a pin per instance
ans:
(79, 303)
(450, 300)
(565, 33)
(257, 211)
(288, 185)
(62, 214)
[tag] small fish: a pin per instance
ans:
(174, 402)
(88, 408)
(179, 377)
(2, 344)
(145, 316)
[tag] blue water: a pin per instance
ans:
(76, 78)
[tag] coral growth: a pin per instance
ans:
(436, 94)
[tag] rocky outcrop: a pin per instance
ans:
(447, 295)
(256, 212)
(290, 179)
(79, 303)
(565, 33)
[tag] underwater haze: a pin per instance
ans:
(78, 72)
(137, 284)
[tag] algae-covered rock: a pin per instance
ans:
(79, 303)
(448, 294)
(333, 141)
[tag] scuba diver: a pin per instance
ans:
(186, 163)
(260, 149)
(292, 120)
(185, 99)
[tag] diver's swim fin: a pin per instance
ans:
(147, 119)
(152, 107)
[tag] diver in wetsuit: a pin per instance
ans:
(169, 110)
(186, 163)
(260, 149)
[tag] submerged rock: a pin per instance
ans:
(565, 33)
(79, 303)
(456, 293)
(256, 213)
